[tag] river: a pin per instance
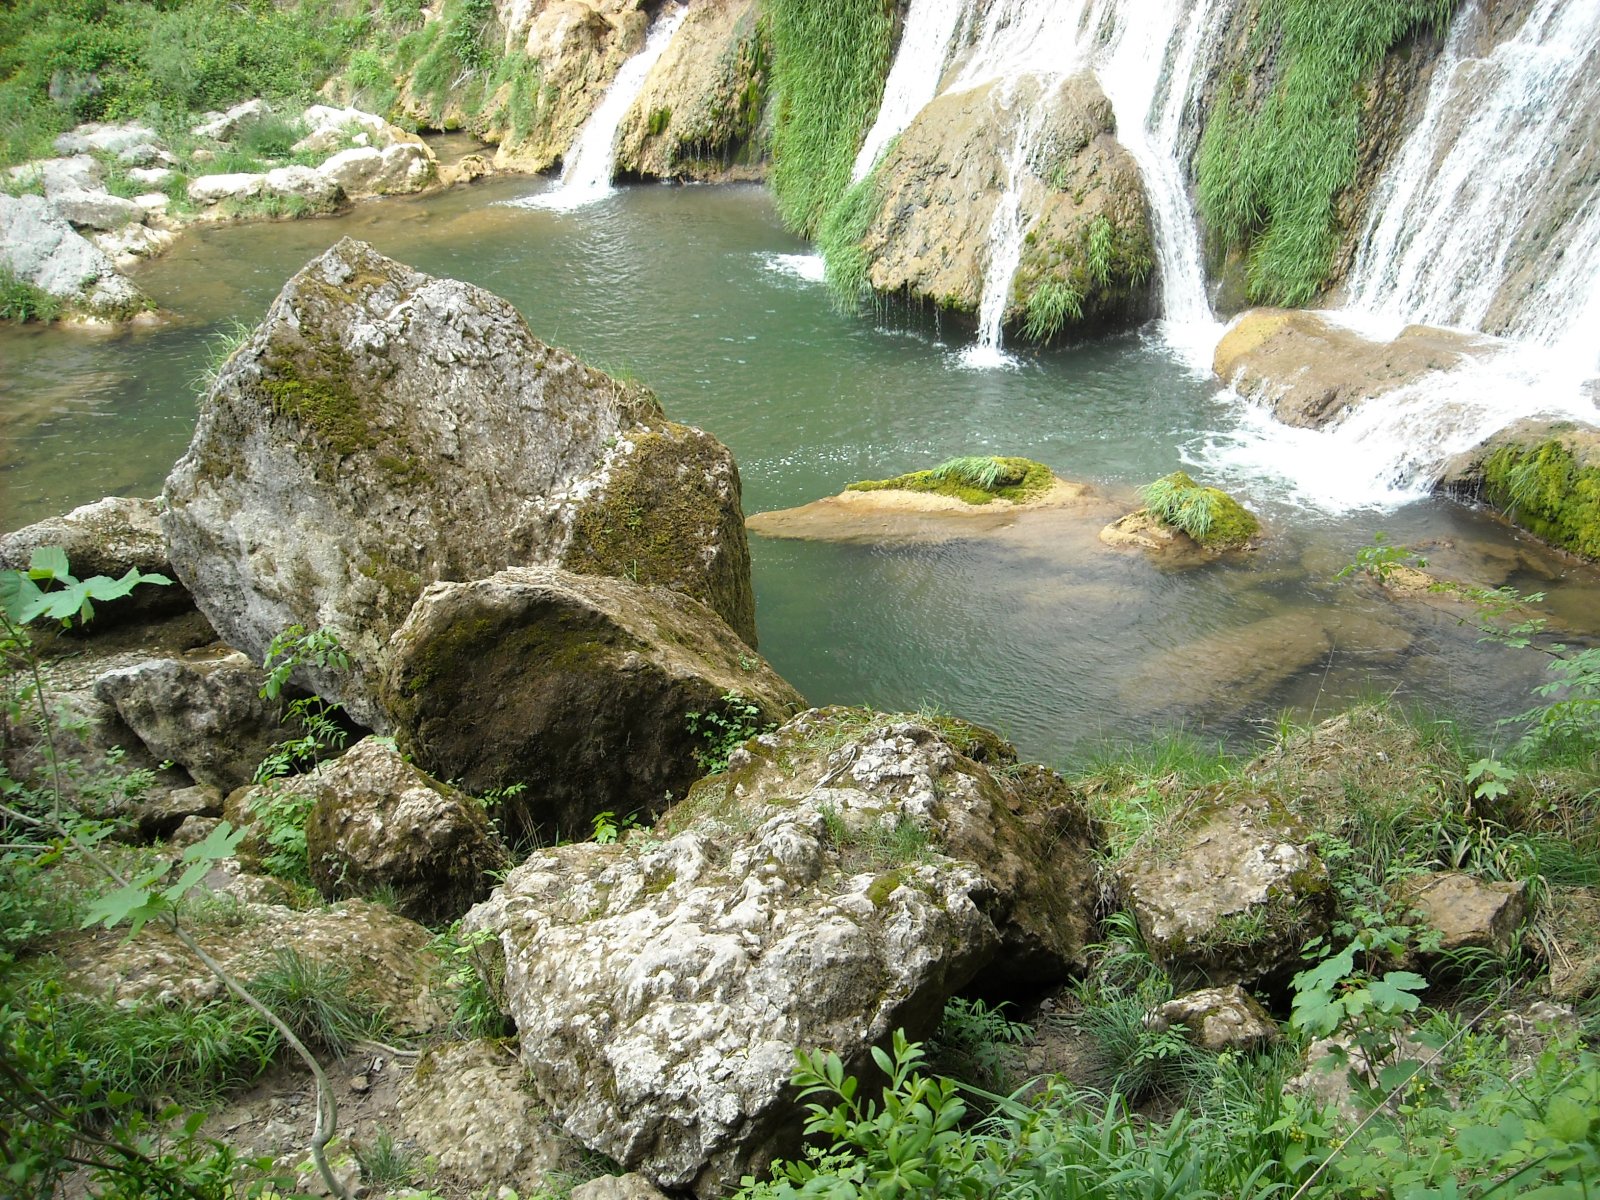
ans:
(1055, 641)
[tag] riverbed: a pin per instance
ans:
(1037, 631)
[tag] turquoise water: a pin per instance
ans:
(1038, 631)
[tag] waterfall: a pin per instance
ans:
(591, 159)
(1151, 61)
(1488, 219)
(919, 65)
(1152, 66)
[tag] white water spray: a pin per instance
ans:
(591, 160)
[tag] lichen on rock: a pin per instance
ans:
(874, 858)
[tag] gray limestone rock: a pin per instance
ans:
(380, 822)
(383, 429)
(96, 209)
(842, 879)
(202, 711)
(584, 689)
(39, 247)
(1217, 1019)
(368, 171)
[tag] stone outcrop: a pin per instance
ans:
(377, 822)
(1232, 894)
(109, 537)
(1218, 1019)
(388, 959)
(469, 1106)
(1465, 912)
(843, 878)
(40, 247)
(369, 171)
(698, 113)
(1312, 371)
(937, 190)
(203, 712)
(383, 429)
(579, 687)
(1542, 476)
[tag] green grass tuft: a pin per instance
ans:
(972, 479)
(1208, 515)
(829, 64)
(1269, 178)
(1052, 304)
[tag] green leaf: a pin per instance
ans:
(1568, 1120)
(50, 562)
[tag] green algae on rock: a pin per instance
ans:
(979, 479)
(1551, 489)
(1209, 515)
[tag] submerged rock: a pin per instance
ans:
(378, 822)
(1312, 371)
(843, 878)
(1082, 203)
(383, 429)
(585, 690)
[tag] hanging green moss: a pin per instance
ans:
(829, 64)
(1546, 491)
(1270, 176)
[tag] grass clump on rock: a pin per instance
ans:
(1207, 514)
(972, 479)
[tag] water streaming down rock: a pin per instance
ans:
(919, 66)
(1488, 219)
(591, 160)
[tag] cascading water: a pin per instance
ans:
(1150, 64)
(1488, 220)
(591, 160)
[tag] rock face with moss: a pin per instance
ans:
(1087, 253)
(579, 688)
(1231, 893)
(377, 821)
(382, 429)
(1313, 371)
(842, 878)
(699, 114)
(42, 250)
(1544, 477)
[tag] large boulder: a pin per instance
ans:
(203, 711)
(109, 537)
(378, 821)
(368, 171)
(1232, 893)
(842, 879)
(703, 100)
(383, 429)
(938, 187)
(584, 689)
(1312, 371)
(331, 129)
(104, 139)
(96, 209)
(39, 247)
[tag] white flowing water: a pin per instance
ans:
(1488, 220)
(919, 66)
(591, 160)
(1152, 64)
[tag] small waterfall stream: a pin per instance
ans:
(1488, 220)
(591, 159)
(919, 66)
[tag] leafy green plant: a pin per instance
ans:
(828, 67)
(608, 827)
(48, 589)
(466, 959)
(297, 646)
(724, 731)
(1050, 306)
(978, 1042)
(1380, 559)
(1270, 173)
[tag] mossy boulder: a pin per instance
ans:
(377, 822)
(1544, 478)
(699, 113)
(579, 688)
(1230, 892)
(843, 878)
(977, 479)
(382, 429)
(1184, 522)
(1087, 252)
